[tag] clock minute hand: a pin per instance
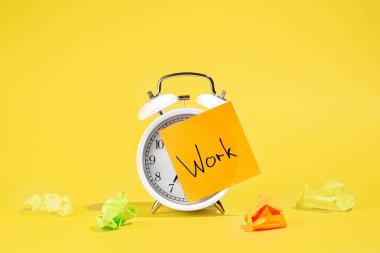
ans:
(175, 179)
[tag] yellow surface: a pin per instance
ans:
(207, 161)
(304, 79)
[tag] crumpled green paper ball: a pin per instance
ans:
(329, 198)
(115, 212)
(50, 203)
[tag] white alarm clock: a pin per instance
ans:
(154, 166)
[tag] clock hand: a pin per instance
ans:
(175, 179)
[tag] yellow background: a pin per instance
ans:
(303, 77)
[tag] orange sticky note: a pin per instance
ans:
(262, 216)
(209, 152)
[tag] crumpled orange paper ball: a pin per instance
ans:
(262, 216)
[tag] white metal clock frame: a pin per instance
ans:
(143, 177)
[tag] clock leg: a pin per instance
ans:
(155, 207)
(219, 206)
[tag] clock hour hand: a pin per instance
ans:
(175, 179)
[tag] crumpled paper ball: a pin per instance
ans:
(115, 212)
(50, 203)
(262, 216)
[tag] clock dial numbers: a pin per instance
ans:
(171, 187)
(157, 177)
(157, 165)
(159, 144)
(152, 159)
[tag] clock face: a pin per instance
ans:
(156, 171)
(157, 166)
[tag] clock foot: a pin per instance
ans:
(155, 207)
(219, 206)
